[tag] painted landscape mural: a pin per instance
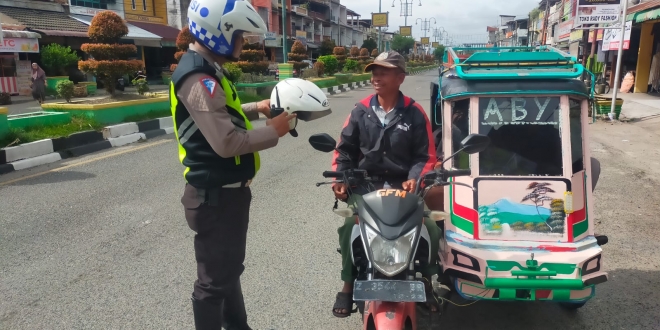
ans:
(536, 213)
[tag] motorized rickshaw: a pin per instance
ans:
(520, 226)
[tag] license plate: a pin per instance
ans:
(388, 290)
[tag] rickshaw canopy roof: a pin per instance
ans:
(511, 70)
(459, 88)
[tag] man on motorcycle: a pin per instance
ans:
(389, 135)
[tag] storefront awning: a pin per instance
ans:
(20, 34)
(639, 12)
(139, 36)
(647, 15)
(49, 23)
(167, 33)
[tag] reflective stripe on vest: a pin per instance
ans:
(234, 103)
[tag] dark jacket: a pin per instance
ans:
(402, 150)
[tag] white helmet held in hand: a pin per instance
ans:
(301, 97)
(215, 23)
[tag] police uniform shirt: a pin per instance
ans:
(206, 103)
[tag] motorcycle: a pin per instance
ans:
(389, 241)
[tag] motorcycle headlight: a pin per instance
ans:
(390, 257)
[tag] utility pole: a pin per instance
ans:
(545, 22)
(380, 9)
(284, 32)
(622, 38)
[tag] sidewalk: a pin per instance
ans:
(639, 106)
(26, 104)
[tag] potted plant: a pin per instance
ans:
(56, 59)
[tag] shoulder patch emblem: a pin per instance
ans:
(210, 84)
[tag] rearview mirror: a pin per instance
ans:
(323, 142)
(475, 143)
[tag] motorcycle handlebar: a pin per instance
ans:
(333, 174)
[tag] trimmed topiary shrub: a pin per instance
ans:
(110, 58)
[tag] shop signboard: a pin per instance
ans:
(611, 37)
(23, 75)
(598, 11)
(565, 28)
(19, 45)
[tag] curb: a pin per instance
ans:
(47, 151)
(345, 87)
(78, 144)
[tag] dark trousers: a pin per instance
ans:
(220, 220)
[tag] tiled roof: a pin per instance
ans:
(44, 20)
(643, 6)
(166, 32)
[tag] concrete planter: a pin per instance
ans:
(91, 86)
(4, 125)
(112, 112)
(43, 118)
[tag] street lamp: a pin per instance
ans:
(426, 26)
(406, 9)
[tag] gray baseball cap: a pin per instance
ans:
(390, 59)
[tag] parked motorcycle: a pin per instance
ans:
(389, 242)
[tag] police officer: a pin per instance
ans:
(218, 147)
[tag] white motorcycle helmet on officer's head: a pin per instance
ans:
(301, 97)
(218, 24)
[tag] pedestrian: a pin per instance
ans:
(389, 135)
(219, 149)
(38, 83)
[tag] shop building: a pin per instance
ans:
(15, 66)
(645, 21)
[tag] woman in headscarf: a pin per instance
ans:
(38, 80)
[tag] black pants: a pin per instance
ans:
(220, 221)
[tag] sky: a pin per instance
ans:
(464, 20)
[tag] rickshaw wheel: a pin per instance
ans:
(572, 306)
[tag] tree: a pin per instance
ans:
(330, 64)
(340, 55)
(327, 46)
(355, 52)
(57, 58)
(539, 196)
(364, 55)
(439, 53)
(370, 45)
(183, 40)
(252, 61)
(298, 55)
(110, 59)
(402, 44)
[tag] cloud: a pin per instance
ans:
(465, 21)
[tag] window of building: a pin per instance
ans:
(98, 4)
(7, 66)
(133, 5)
(144, 5)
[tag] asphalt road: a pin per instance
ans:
(100, 242)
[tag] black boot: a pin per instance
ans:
(235, 316)
(207, 316)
